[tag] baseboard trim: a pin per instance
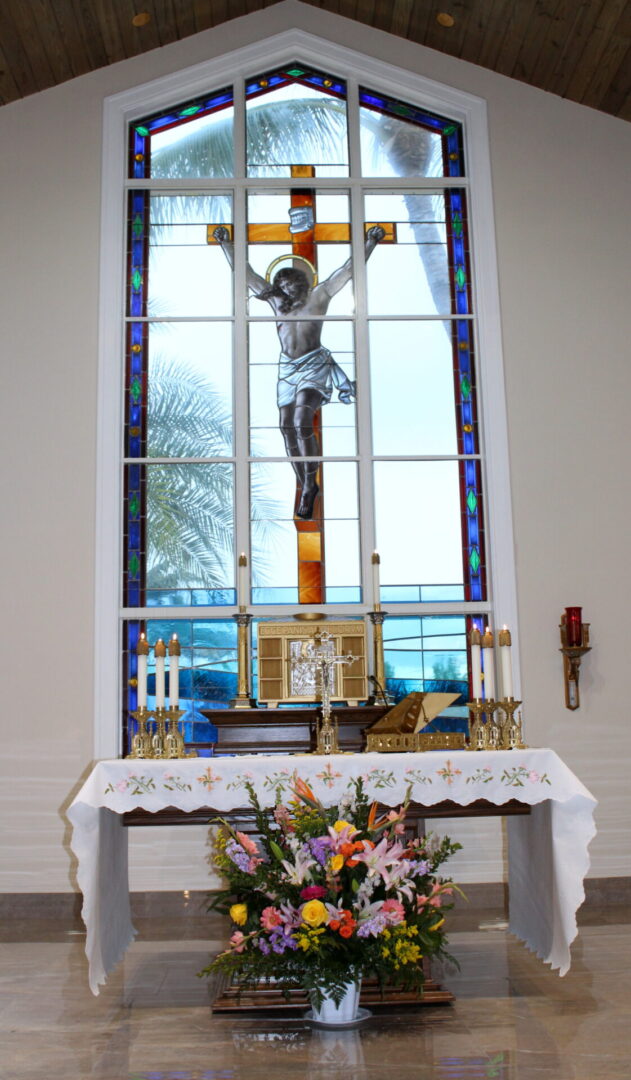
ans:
(599, 892)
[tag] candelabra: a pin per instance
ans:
(141, 741)
(497, 732)
(166, 739)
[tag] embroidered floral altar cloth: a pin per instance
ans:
(548, 848)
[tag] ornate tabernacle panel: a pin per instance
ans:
(279, 642)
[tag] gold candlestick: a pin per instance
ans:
(377, 618)
(158, 739)
(476, 725)
(243, 699)
(141, 741)
(511, 726)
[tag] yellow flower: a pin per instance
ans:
(337, 862)
(436, 925)
(314, 913)
(239, 914)
(339, 825)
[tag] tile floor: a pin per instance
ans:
(513, 1019)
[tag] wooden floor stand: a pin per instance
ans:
(266, 997)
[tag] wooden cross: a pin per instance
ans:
(310, 533)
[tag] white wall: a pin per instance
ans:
(560, 182)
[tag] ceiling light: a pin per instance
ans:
(444, 19)
(141, 19)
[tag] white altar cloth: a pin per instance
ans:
(547, 861)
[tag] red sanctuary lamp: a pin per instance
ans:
(574, 626)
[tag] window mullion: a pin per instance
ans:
(362, 369)
(240, 340)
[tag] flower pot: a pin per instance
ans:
(328, 1014)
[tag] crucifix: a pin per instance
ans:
(313, 663)
(307, 371)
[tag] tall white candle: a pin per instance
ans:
(242, 590)
(476, 665)
(489, 665)
(174, 672)
(160, 653)
(376, 583)
(142, 652)
(506, 664)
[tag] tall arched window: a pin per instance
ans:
(300, 336)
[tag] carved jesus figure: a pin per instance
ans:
(307, 371)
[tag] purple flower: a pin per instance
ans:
(372, 927)
(263, 946)
(419, 868)
(239, 857)
(320, 847)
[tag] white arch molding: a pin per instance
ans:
(119, 110)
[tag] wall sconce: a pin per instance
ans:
(574, 645)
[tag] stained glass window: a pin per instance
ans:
(300, 378)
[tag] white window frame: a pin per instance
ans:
(119, 111)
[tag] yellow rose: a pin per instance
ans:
(239, 914)
(339, 825)
(314, 913)
(337, 862)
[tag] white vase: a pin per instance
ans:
(346, 1012)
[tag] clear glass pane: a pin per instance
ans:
(392, 147)
(200, 147)
(189, 410)
(410, 276)
(428, 551)
(331, 372)
(428, 654)
(188, 274)
(189, 526)
(412, 388)
(276, 538)
(296, 125)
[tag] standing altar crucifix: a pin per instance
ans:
(313, 663)
(307, 370)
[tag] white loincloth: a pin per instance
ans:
(316, 370)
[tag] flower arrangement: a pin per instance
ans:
(324, 896)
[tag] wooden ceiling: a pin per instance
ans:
(579, 49)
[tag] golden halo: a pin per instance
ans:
(291, 258)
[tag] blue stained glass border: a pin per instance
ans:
(295, 73)
(142, 130)
(451, 132)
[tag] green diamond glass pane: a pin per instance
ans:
(190, 111)
(461, 277)
(134, 505)
(134, 566)
(136, 280)
(457, 224)
(137, 225)
(449, 130)
(465, 387)
(135, 390)
(472, 501)
(295, 71)
(142, 131)
(474, 560)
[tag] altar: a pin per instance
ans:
(548, 847)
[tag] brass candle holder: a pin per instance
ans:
(141, 741)
(511, 730)
(377, 618)
(158, 739)
(477, 739)
(243, 699)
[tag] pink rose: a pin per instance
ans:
(313, 892)
(270, 917)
